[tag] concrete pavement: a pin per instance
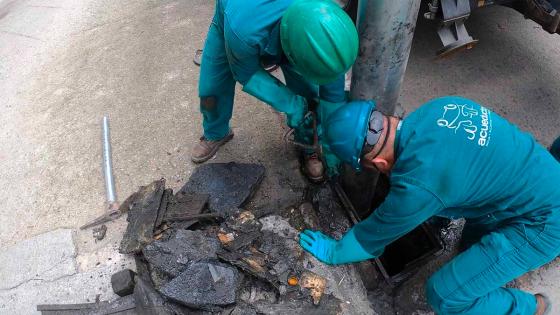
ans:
(45, 269)
(65, 63)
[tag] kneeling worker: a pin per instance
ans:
(457, 159)
(314, 42)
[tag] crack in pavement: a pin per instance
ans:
(46, 271)
(21, 35)
(40, 280)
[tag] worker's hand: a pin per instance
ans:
(331, 251)
(275, 93)
(319, 245)
(294, 120)
(296, 115)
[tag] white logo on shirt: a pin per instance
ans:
(462, 117)
(459, 116)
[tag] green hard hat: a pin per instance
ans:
(319, 39)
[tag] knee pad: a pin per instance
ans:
(208, 103)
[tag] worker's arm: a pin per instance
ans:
(407, 206)
(244, 60)
(270, 90)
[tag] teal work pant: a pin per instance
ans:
(217, 84)
(472, 283)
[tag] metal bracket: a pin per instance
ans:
(452, 32)
(454, 37)
(455, 10)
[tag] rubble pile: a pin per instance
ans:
(199, 252)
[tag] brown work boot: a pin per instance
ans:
(205, 149)
(543, 304)
(313, 167)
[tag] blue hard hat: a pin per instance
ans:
(346, 130)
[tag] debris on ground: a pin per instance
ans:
(170, 257)
(205, 286)
(142, 217)
(199, 252)
(333, 219)
(229, 185)
(185, 206)
(99, 232)
(147, 299)
(122, 306)
(163, 206)
(330, 305)
(123, 282)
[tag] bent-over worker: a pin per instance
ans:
(454, 158)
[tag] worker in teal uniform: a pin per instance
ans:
(313, 41)
(457, 159)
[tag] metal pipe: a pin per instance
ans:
(386, 29)
(108, 165)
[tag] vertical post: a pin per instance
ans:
(385, 29)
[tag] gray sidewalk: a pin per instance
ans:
(47, 269)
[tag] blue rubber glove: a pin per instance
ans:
(331, 251)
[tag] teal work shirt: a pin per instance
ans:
(252, 36)
(458, 159)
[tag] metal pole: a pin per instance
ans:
(108, 165)
(113, 212)
(386, 29)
